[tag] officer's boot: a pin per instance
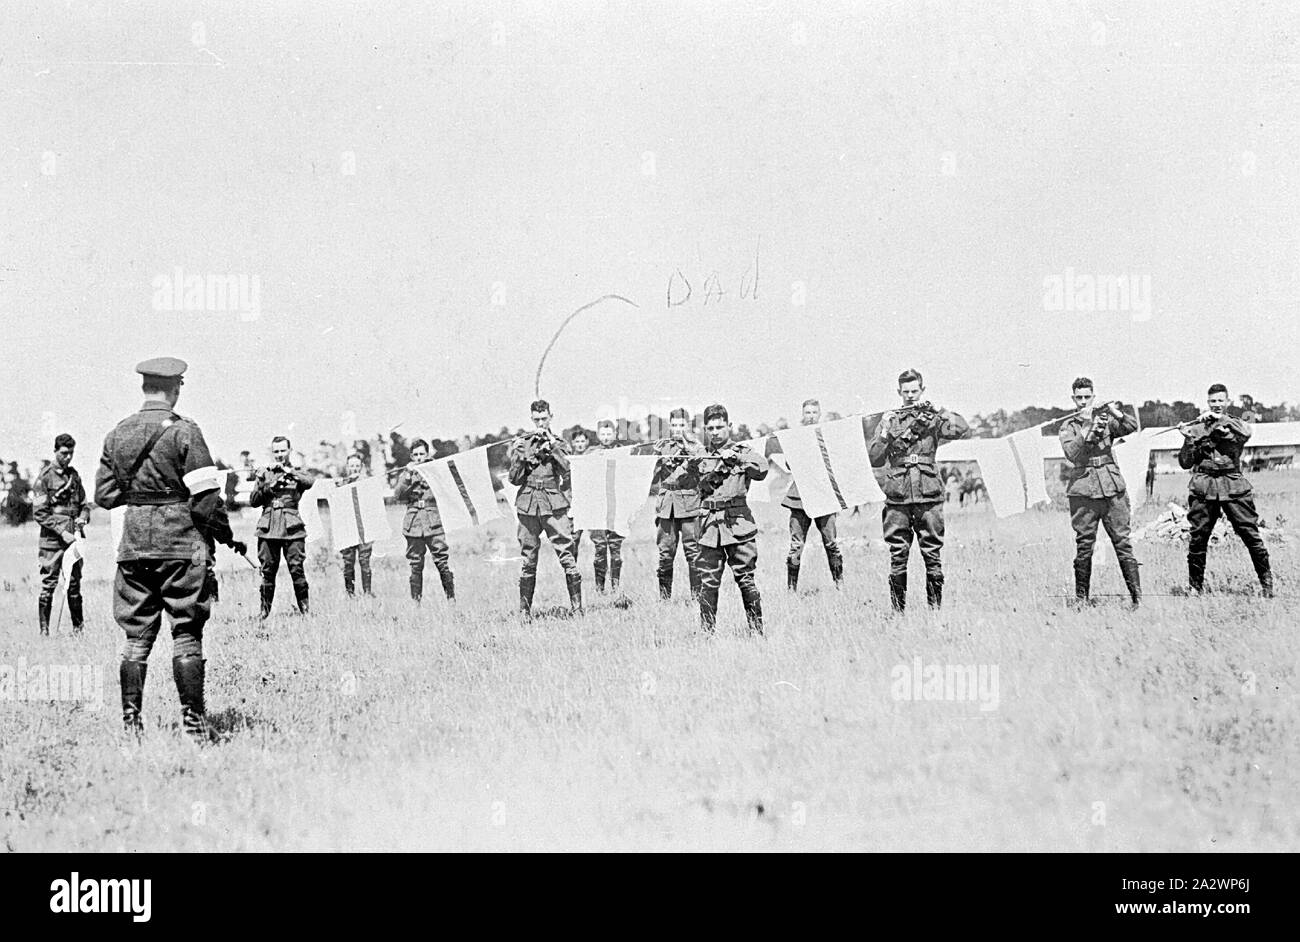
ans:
(526, 586)
(665, 584)
(792, 576)
(1082, 580)
(300, 592)
(1196, 571)
(131, 676)
(349, 585)
(753, 609)
(934, 589)
(75, 613)
(187, 671)
(268, 596)
(898, 591)
(575, 593)
(417, 584)
(599, 568)
(43, 607)
(1263, 570)
(615, 570)
(365, 581)
(1132, 579)
(448, 584)
(1266, 583)
(836, 564)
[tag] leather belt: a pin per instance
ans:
(1101, 462)
(1218, 472)
(283, 503)
(918, 459)
(722, 503)
(155, 498)
(64, 509)
(419, 504)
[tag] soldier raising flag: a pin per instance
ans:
(280, 531)
(1096, 489)
(904, 444)
(539, 467)
(1212, 446)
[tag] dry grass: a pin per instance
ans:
(373, 725)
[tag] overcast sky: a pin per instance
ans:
(421, 197)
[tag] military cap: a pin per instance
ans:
(164, 367)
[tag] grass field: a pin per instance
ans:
(371, 724)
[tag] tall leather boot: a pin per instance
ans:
(1196, 571)
(131, 676)
(43, 607)
(599, 568)
(365, 581)
(934, 589)
(417, 585)
(448, 584)
(1263, 570)
(615, 571)
(1133, 580)
(836, 564)
(300, 592)
(898, 591)
(75, 612)
(1082, 580)
(187, 671)
(753, 610)
(791, 577)
(526, 586)
(268, 596)
(349, 585)
(665, 584)
(575, 593)
(1266, 583)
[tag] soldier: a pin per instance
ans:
(280, 531)
(677, 505)
(579, 442)
(157, 464)
(422, 525)
(1211, 450)
(1096, 489)
(608, 544)
(59, 506)
(904, 444)
(727, 528)
(539, 467)
(362, 552)
(800, 522)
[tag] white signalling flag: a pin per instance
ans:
(772, 488)
(609, 492)
(357, 513)
(1012, 470)
(309, 508)
(71, 556)
(462, 486)
(116, 526)
(830, 466)
(1133, 455)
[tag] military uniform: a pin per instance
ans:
(728, 533)
(59, 506)
(800, 524)
(1097, 494)
(905, 444)
(422, 527)
(608, 545)
(352, 555)
(280, 531)
(1213, 454)
(677, 511)
(541, 472)
(148, 464)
